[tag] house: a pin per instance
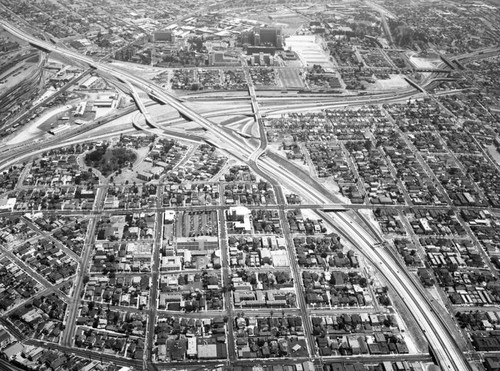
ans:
(5, 338)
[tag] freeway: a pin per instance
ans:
(237, 147)
(124, 75)
(322, 207)
(13, 153)
(259, 151)
(441, 341)
(149, 119)
(6, 366)
(139, 123)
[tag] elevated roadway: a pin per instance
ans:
(440, 339)
(445, 348)
(140, 104)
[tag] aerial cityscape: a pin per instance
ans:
(259, 185)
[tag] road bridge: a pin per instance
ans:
(433, 70)
(443, 344)
(448, 62)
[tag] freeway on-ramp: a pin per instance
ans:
(440, 339)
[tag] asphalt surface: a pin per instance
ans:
(438, 335)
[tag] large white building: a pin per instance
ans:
(243, 220)
(309, 50)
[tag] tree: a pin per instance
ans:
(384, 300)
(363, 282)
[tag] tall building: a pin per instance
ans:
(264, 36)
(270, 37)
(263, 40)
(125, 54)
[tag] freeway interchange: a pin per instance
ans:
(440, 338)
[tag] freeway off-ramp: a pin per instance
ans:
(440, 339)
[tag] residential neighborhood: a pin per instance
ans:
(252, 186)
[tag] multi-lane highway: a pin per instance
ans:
(440, 339)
